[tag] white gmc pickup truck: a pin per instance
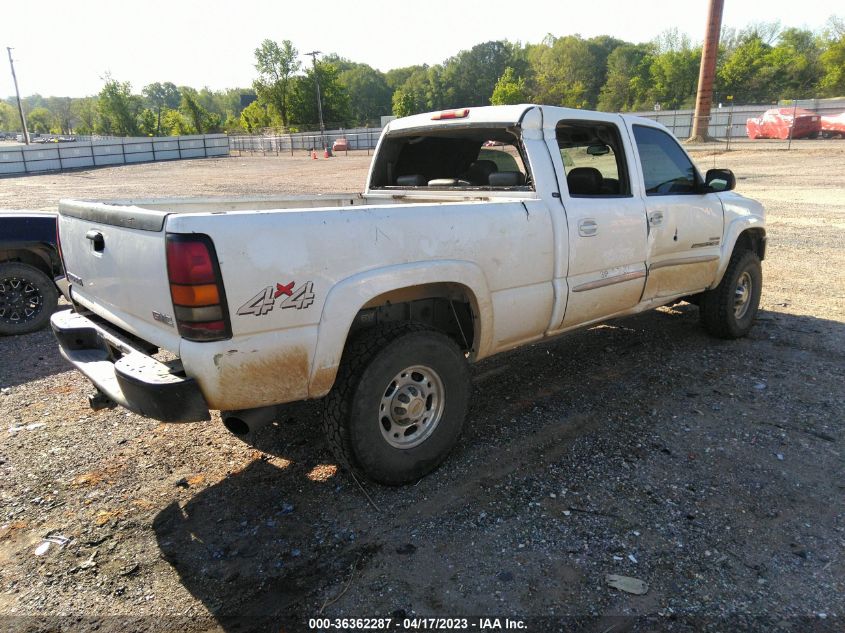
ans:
(480, 230)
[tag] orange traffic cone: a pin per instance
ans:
(326, 153)
(314, 154)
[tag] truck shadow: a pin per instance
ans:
(254, 546)
(268, 547)
(28, 357)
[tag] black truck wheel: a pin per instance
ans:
(27, 298)
(729, 309)
(398, 404)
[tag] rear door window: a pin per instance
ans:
(593, 158)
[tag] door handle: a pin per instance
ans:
(655, 218)
(587, 228)
(97, 240)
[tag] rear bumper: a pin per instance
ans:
(126, 374)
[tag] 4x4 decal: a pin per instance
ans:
(262, 303)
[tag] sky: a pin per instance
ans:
(65, 48)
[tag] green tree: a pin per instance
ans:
(509, 90)
(61, 108)
(423, 90)
(673, 70)
(627, 77)
(795, 64)
(398, 76)
(369, 94)
(565, 72)
(832, 60)
(118, 110)
(229, 101)
(174, 123)
(254, 117)
(201, 120)
(160, 96)
(33, 101)
(40, 120)
(404, 103)
(233, 124)
(9, 118)
(149, 123)
(303, 98)
(85, 112)
(276, 65)
(745, 73)
(471, 75)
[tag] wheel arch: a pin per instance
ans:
(35, 256)
(451, 280)
(747, 233)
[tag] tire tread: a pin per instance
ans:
(49, 296)
(715, 304)
(356, 357)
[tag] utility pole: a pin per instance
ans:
(18, 93)
(707, 73)
(313, 55)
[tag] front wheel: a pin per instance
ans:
(729, 309)
(398, 404)
(27, 298)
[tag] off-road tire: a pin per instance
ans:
(717, 307)
(351, 414)
(28, 281)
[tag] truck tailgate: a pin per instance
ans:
(116, 264)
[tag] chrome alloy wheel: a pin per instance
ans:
(411, 407)
(742, 295)
(20, 300)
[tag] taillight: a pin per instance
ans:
(196, 288)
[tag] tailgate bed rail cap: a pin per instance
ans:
(130, 217)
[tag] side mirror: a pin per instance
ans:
(719, 180)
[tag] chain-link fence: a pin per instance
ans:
(339, 141)
(755, 125)
(775, 124)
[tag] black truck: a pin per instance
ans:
(29, 263)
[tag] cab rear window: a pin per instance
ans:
(464, 158)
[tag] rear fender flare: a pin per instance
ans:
(348, 296)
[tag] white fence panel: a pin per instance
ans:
(12, 162)
(108, 159)
(100, 152)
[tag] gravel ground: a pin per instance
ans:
(711, 470)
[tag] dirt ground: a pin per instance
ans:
(712, 470)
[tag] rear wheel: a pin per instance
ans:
(398, 404)
(27, 298)
(729, 309)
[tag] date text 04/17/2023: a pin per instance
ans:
(416, 624)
